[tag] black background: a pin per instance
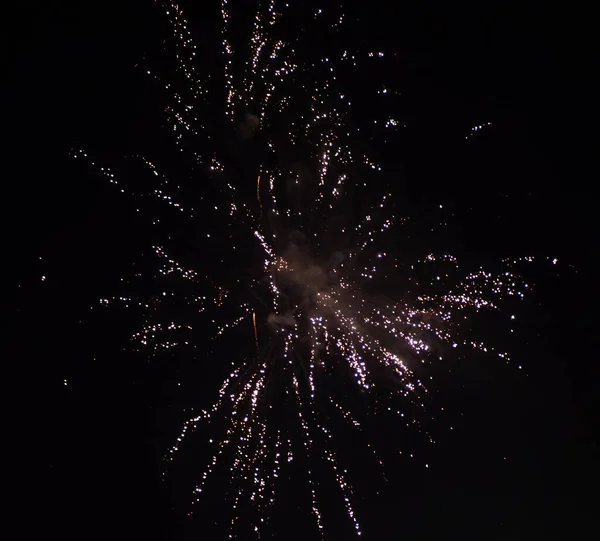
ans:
(522, 460)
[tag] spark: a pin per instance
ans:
(258, 193)
(255, 331)
(476, 129)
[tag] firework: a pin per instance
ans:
(320, 311)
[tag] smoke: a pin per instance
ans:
(301, 268)
(281, 320)
(247, 126)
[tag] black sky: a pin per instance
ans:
(85, 457)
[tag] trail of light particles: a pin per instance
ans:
(477, 129)
(327, 303)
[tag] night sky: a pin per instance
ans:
(86, 457)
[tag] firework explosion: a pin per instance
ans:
(318, 301)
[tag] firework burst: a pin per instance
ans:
(319, 305)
